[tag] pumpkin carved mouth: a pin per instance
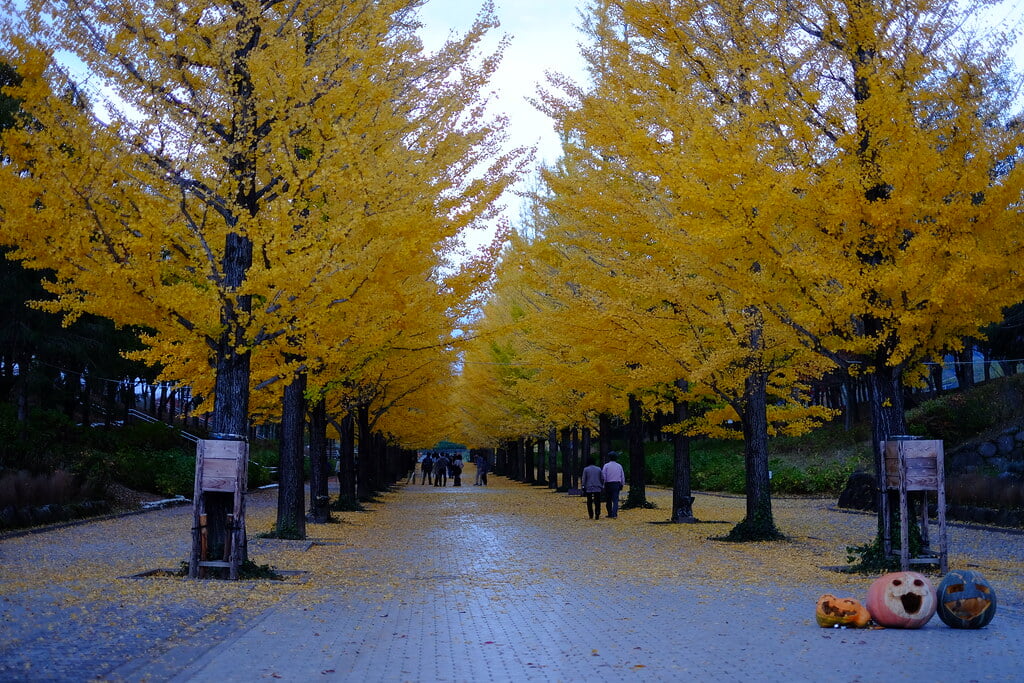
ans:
(911, 602)
(968, 608)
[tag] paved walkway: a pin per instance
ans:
(499, 583)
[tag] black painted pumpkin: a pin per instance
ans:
(966, 600)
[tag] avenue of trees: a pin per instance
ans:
(754, 195)
(276, 192)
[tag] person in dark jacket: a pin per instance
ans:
(592, 483)
(441, 465)
(428, 469)
(481, 469)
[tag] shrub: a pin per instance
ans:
(48, 440)
(23, 489)
(953, 418)
(264, 459)
(660, 465)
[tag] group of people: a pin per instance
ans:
(607, 480)
(436, 468)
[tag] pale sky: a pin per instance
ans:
(543, 37)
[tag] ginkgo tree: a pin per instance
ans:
(853, 162)
(666, 315)
(196, 168)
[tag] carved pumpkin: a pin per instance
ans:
(966, 600)
(901, 600)
(833, 611)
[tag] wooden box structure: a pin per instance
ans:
(221, 470)
(913, 465)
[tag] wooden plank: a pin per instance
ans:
(220, 474)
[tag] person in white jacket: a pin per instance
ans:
(614, 480)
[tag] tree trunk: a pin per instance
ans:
(161, 405)
(936, 373)
(566, 459)
(637, 466)
(574, 468)
(319, 471)
(291, 499)
(682, 498)
(965, 366)
(552, 458)
(542, 479)
(109, 403)
(364, 458)
(500, 459)
(528, 461)
(393, 462)
(604, 435)
(230, 419)
(759, 524)
(586, 445)
(888, 419)
(86, 400)
(512, 468)
(382, 475)
(347, 462)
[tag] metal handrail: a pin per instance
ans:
(146, 417)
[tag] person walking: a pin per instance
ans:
(441, 470)
(481, 469)
(428, 468)
(457, 471)
(592, 482)
(614, 480)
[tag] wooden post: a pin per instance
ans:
(916, 465)
(221, 467)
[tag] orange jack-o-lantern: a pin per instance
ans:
(901, 600)
(966, 600)
(833, 611)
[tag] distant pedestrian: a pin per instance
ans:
(457, 471)
(614, 480)
(415, 466)
(441, 470)
(428, 468)
(592, 482)
(481, 469)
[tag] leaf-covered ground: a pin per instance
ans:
(68, 611)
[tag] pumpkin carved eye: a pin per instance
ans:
(918, 582)
(982, 587)
(897, 582)
(955, 588)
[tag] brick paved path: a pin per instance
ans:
(503, 583)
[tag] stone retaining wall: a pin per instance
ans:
(997, 462)
(1002, 456)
